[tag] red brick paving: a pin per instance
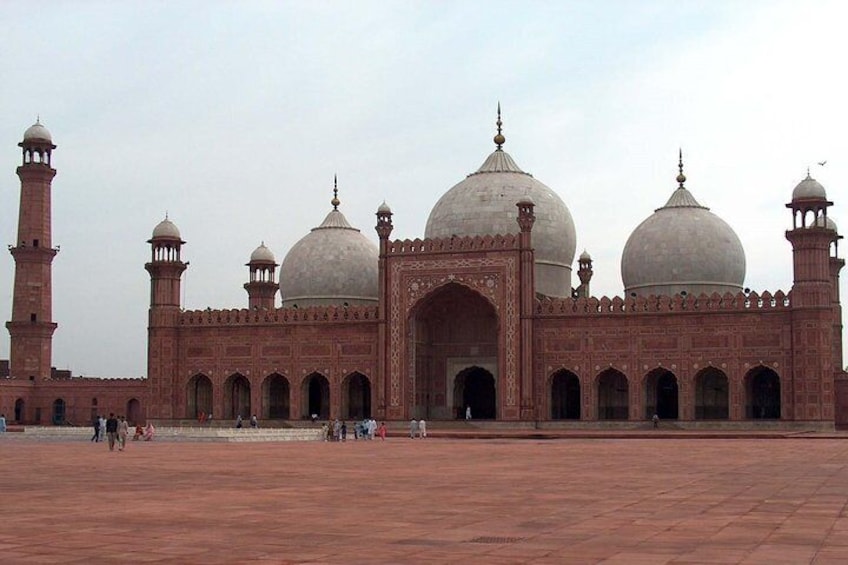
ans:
(614, 501)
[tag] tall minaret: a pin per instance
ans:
(31, 328)
(166, 268)
(812, 304)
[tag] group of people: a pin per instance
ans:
(365, 429)
(115, 430)
(204, 418)
(417, 428)
(254, 422)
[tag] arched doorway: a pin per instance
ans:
(661, 395)
(762, 392)
(134, 412)
(316, 396)
(712, 401)
(237, 397)
(356, 396)
(20, 410)
(58, 412)
(565, 396)
(450, 330)
(474, 388)
(275, 396)
(613, 396)
(198, 396)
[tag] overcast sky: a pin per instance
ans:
(233, 117)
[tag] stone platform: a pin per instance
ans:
(600, 500)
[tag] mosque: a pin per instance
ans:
(483, 314)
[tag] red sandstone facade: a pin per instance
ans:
(458, 325)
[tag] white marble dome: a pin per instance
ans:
(262, 255)
(809, 189)
(485, 204)
(38, 133)
(166, 229)
(683, 247)
(334, 264)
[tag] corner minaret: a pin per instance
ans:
(166, 268)
(31, 328)
(812, 382)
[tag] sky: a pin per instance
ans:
(233, 117)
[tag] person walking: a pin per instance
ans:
(413, 428)
(239, 422)
(96, 425)
(422, 428)
(468, 412)
(382, 431)
(123, 432)
(112, 430)
(2, 423)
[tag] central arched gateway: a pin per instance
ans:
(453, 344)
(474, 394)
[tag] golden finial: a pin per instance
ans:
(335, 201)
(681, 178)
(499, 138)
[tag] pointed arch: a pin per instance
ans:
(762, 394)
(661, 394)
(134, 416)
(20, 410)
(198, 396)
(356, 396)
(613, 395)
(315, 394)
(275, 397)
(237, 397)
(58, 414)
(565, 396)
(712, 397)
(474, 387)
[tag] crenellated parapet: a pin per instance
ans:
(454, 244)
(247, 317)
(663, 304)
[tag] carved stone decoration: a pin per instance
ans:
(494, 278)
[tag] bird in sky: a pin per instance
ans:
(822, 163)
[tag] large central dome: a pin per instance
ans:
(484, 204)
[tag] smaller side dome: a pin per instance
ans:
(826, 223)
(809, 189)
(37, 133)
(166, 229)
(262, 255)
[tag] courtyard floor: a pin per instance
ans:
(622, 501)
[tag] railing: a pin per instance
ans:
(454, 244)
(653, 304)
(246, 316)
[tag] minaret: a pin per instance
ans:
(31, 328)
(812, 304)
(166, 268)
(585, 273)
(384, 230)
(261, 288)
(526, 269)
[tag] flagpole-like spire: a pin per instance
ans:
(681, 178)
(335, 201)
(499, 138)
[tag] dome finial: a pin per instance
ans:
(808, 174)
(681, 178)
(499, 138)
(335, 201)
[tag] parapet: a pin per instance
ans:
(662, 304)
